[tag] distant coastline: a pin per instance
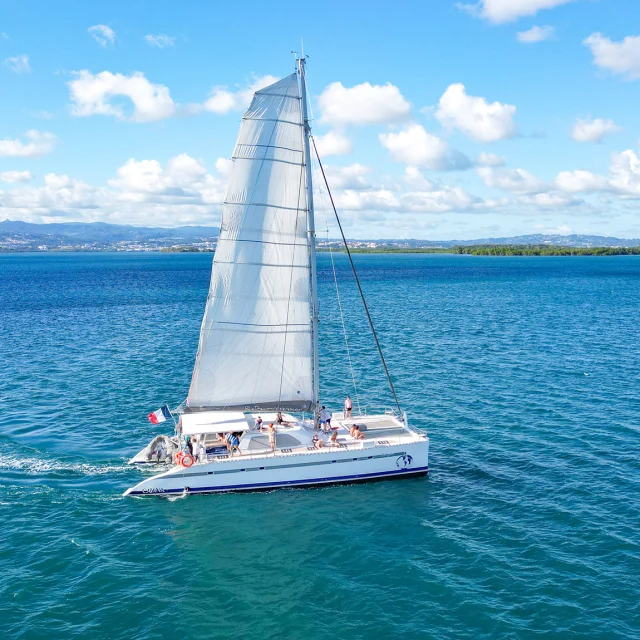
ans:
(510, 250)
(472, 250)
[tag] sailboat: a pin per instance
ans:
(252, 418)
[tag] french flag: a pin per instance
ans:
(161, 415)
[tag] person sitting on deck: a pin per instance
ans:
(232, 442)
(318, 442)
(356, 434)
(325, 419)
(281, 421)
(333, 440)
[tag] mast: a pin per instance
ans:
(311, 231)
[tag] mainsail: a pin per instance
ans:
(255, 345)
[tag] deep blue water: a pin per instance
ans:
(525, 372)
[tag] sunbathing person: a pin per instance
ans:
(318, 442)
(333, 440)
(357, 434)
(281, 421)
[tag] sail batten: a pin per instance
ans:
(255, 345)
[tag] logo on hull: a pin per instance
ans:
(404, 461)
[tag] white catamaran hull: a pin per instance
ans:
(323, 466)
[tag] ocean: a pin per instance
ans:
(524, 372)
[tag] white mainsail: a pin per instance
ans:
(255, 347)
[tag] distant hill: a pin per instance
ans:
(575, 240)
(98, 235)
(25, 236)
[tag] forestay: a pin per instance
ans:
(255, 341)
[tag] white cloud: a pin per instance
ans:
(499, 11)
(514, 180)
(589, 130)
(144, 192)
(159, 40)
(349, 177)
(380, 200)
(549, 200)
(617, 57)
(536, 34)
(580, 181)
(474, 116)
(102, 34)
(413, 145)
(625, 172)
(222, 100)
(333, 143)
(92, 94)
(19, 64)
(489, 160)
(15, 176)
(223, 166)
(363, 104)
(37, 144)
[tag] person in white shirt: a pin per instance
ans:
(325, 419)
(348, 406)
(200, 451)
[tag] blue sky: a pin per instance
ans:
(436, 119)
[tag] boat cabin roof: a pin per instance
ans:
(225, 421)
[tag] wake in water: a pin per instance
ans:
(32, 464)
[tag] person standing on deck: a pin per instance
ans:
(348, 406)
(325, 419)
(272, 436)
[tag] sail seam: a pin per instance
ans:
(265, 159)
(278, 244)
(263, 264)
(296, 124)
(262, 204)
(256, 324)
(268, 146)
(277, 95)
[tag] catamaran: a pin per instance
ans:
(252, 417)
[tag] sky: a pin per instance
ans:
(434, 119)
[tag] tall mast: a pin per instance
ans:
(311, 231)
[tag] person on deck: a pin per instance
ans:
(318, 442)
(258, 425)
(357, 434)
(325, 419)
(280, 420)
(201, 449)
(272, 436)
(232, 442)
(333, 440)
(189, 445)
(348, 406)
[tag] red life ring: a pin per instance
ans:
(186, 460)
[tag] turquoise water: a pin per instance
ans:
(523, 370)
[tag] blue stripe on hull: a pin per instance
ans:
(420, 471)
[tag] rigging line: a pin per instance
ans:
(355, 274)
(344, 326)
